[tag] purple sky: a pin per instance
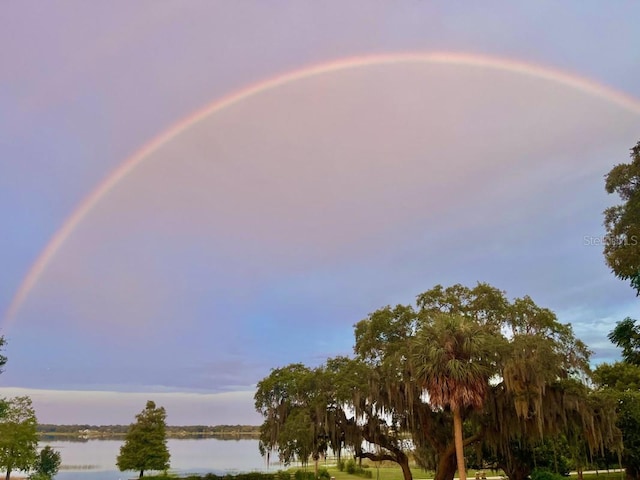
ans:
(261, 234)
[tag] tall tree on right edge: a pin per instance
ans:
(622, 222)
(621, 382)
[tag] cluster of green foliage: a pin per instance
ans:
(145, 445)
(3, 358)
(281, 475)
(544, 474)
(622, 222)
(19, 438)
(47, 464)
(322, 473)
(621, 380)
(352, 468)
(349, 466)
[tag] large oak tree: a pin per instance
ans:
(507, 369)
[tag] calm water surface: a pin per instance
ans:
(96, 459)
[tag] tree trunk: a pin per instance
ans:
(457, 435)
(406, 471)
(8, 474)
(631, 473)
(515, 470)
(446, 469)
(395, 455)
(141, 473)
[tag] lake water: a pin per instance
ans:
(96, 459)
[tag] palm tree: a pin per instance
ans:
(452, 358)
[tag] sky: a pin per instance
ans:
(193, 193)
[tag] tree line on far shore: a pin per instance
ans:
(172, 430)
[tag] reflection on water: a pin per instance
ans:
(96, 459)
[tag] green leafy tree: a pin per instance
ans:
(539, 374)
(543, 392)
(622, 222)
(618, 377)
(626, 335)
(18, 436)
(383, 343)
(620, 381)
(360, 394)
(145, 445)
(522, 377)
(307, 411)
(3, 359)
(629, 422)
(47, 464)
(294, 401)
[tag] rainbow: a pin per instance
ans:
(130, 164)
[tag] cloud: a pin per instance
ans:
(68, 407)
(262, 234)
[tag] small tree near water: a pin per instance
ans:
(145, 446)
(18, 435)
(47, 464)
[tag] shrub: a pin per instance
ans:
(353, 468)
(253, 476)
(541, 474)
(324, 474)
(302, 475)
(341, 465)
(282, 475)
(38, 476)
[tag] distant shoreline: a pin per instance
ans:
(87, 432)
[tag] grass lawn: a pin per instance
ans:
(391, 471)
(385, 472)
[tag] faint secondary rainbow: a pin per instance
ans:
(584, 85)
